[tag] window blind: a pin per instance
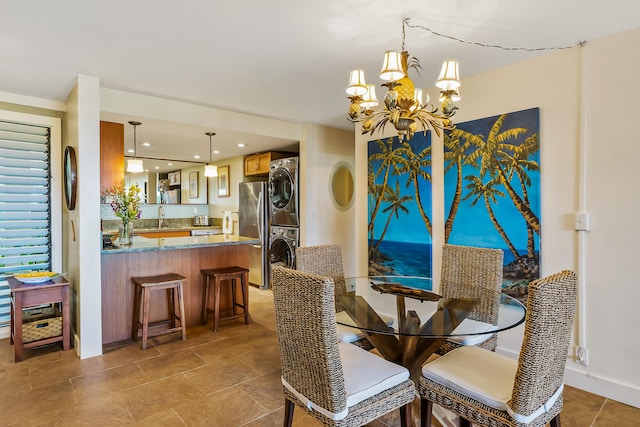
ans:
(25, 208)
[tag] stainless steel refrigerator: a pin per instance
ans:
(253, 221)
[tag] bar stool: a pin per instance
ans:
(170, 282)
(218, 275)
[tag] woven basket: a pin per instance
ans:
(41, 323)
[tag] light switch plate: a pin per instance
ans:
(582, 221)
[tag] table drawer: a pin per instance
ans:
(41, 323)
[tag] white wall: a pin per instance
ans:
(321, 222)
(217, 204)
(587, 103)
(83, 237)
(185, 197)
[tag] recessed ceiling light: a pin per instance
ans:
(196, 157)
(157, 167)
(216, 151)
(146, 144)
(241, 145)
(130, 150)
(169, 164)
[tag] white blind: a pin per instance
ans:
(25, 220)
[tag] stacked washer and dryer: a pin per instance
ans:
(284, 212)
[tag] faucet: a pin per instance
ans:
(160, 216)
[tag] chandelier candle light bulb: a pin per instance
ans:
(357, 86)
(210, 170)
(134, 165)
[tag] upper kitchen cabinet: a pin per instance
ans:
(258, 164)
(111, 153)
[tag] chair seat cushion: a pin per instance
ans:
(349, 334)
(481, 374)
(470, 326)
(366, 374)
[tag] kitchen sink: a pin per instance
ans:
(205, 232)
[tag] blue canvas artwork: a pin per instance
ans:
(492, 191)
(399, 191)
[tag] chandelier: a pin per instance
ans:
(404, 106)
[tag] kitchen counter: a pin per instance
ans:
(144, 244)
(186, 256)
(215, 229)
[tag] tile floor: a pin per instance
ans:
(231, 378)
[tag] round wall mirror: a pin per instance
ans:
(342, 185)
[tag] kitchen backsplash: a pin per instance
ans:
(151, 211)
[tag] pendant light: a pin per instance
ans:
(210, 170)
(134, 165)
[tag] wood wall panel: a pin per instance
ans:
(118, 290)
(111, 154)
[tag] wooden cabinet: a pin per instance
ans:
(118, 293)
(111, 153)
(258, 164)
(55, 291)
(163, 234)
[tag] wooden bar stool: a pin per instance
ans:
(218, 275)
(170, 282)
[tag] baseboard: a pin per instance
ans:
(615, 390)
(578, 376)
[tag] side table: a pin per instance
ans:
(24, 295)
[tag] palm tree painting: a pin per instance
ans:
(492, 191)
(399, 192)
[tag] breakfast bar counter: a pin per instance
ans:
(186, 256)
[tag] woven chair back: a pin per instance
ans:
(306, 326)
(323, 260)
(551, 308)
(470, 272)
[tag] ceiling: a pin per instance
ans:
(284, 59)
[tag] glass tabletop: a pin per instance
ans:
(406, 306)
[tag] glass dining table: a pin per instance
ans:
(422, 320)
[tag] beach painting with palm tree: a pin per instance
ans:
(492, 191)
(399, 192)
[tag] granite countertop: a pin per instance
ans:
(165, 228)
(144, 244)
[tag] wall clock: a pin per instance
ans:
(70, 177)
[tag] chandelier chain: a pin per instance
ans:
(406, 21)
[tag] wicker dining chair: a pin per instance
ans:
(467, 272)
(326, 260)
(489, 389)
(337, 383)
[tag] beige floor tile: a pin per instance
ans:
(168, 364)
(224, 349)
(108, 409)
(14, 378)
(229, 378)
(616, 414)
(110, 380)
(231, 407)
(31, 407)
(220, 375)
(168, 418)
(174, 392)
(266, 389)
(580, 408)
(42, 374)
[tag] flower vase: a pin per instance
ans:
(125, 235)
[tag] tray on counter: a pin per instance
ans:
(397, 289)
